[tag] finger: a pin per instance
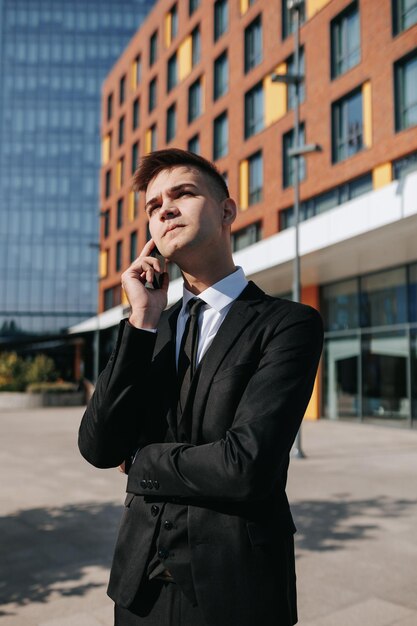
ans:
(144, 263)
(148, 247)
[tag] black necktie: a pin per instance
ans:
(187, 357)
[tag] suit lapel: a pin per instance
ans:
(164, 357)
(242, 313)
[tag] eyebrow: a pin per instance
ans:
(171, 191)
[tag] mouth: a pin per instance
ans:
(171, 228)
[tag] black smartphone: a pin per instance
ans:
(156, 283)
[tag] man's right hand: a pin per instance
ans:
(147, 304)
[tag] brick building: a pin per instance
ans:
(198, 74)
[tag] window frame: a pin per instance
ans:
(257, 124)
(220, 151)
(224, 85)
(340, 36)
(220, 19)
(400, 108)
(339, 153)
(253, 38)
(255, 195)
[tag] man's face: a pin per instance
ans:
(183, 213)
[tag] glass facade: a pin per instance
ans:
(370, 346)
(53, 59)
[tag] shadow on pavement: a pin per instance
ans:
(49, 551)
(324, 525)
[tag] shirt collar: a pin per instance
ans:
(222, 293)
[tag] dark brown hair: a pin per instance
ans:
(155, 162)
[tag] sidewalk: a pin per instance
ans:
(354, 500)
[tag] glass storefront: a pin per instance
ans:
(370, 351)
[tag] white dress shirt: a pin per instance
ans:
(218, 299)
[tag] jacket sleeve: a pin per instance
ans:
(246, 463)
(114, 419)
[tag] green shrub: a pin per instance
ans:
(12, 372)
(41, 370)
(57, 387)
(16, 373)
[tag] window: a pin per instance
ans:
(405, 74)
(107, 184)
(153, 48)
(246, 236)
(404, 15)
(135, 114)
(106, 227)
(220, 136)
(138, 66)
(195, 46)
(193, 6)
(383, 298)
(119, 214)
(119, 252)
(121, 130)
(340, 305)
(221, 18)
(194, 101)
(152, 95)
(133, 245)
(345, 41)
(255, 178)
(135, 156)
(174, 22)
(109, 106)
(171, 123)
(328, 200)
(253, 44)
(122, 89)
(154, 138)
(194, 144)
(108, 299)
(254, 110)
(221, 76)
(172, 72)
(405, 165)
(347, 126)
(289, 162)
(287, 18)
(120, 172)
(291, 88)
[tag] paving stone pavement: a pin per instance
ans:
(354, 500)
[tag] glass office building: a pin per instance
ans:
(54, 55)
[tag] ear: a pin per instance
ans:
(229, 209)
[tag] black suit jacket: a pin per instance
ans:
(250, 395)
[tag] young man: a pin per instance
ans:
(206, 399)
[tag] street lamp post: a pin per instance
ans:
(295, 153)
(96, 337)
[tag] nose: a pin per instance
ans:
(168, 210)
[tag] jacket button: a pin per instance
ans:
(154, 510)
(150, 484)
(163, 553)
(144, 484)
(168, 525)
(156, 484)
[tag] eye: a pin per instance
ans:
(152, 209)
